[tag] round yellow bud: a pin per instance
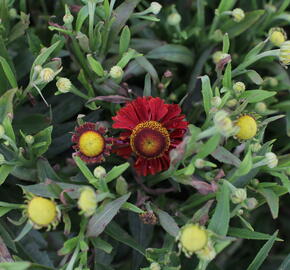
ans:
(46, 75)
(63, 85)
(41, 211)
(239, 87)
(218, 56)
(277, 36)
(247, 127)
(87, 201)
(284, 54)
(116, 72)
(174, 19)
(238, 14)
(193, 238)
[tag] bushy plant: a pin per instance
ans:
(144, 135)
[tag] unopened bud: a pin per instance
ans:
(251, 203)
(155, 266)
(271, 159)
(47, 75)
(63, 85)
(238, 195)
(68, 18)
(155, 7)
(216, 101)
(232, 103)
(174, 19)
(199, 163)
(238, 14)
(255, 147)
(261, 107)
(100, 172)
(29, 139)
(116, 72)
(121, 186)
(239, 87)
(277, 36)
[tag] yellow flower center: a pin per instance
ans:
(193, 238)
(88, 201)
(149, 140)
(42, 211)
(91, 143)
(247, 127)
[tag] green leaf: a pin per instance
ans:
(131, 207)
(234, 29)
(5, 170)
(223, 155)
(255, 77)
(125, 39)
(6, 105)
(15, 265)
(172, 53)
(245, 166)
(284, 179)
(219, 223)
(208, 147)
(272, 200)
(116, 232)
(226, 43)
(225, 5)
(8, 72)
(82, 15)
(285, 264)
(206, 93)
(147, 86)
(227, 79)
(96, 66)
(102, 245)
(100, 220)
(40, 59)
(263, 253)
(84, 169)
(147, 66)
(42, 141)
(248, 234)
(167, 222)
(116, 171)
(253, 96)
(25, 230)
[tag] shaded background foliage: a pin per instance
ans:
(190, 58)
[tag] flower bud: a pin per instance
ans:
(239, 87)
(271, 159)
(238, 195)
(63, 85)
(251, 203)
(271, 81)
(68, 18)
(216, 101)
(2, 131)
(100, 172)
(223, 123)
(261, 107)
(284, 54)
(155, 266)
(192, 238)
(174, 19)
(232, 103)
(46, 75)
(173, 97)
(2, 159)
(116, 72)
(247, 127)
(277, 36)
(13, 13)
(87, 201)
(208, 253)
(255, 147)
(121, 186)
(218, 56)
(199, 163)
(238, 14)
(155, 7)
(29, 139)
(240, 212)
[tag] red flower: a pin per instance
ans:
(153, 129)
(91, 144)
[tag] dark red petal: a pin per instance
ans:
(141, 108)
(157, 109)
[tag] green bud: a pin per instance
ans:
(239, 87)
(174, 19)
(100, 172)
(238, 195)
(29, 139)
(121, 186)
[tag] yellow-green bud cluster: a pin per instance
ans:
(239, 87)
(238, 14)
(116, 72)
(100, 172)
(277, 36)
(238, 195)
(63, 85)
(47, 75)
(271, 160)
(174, 19)
(284, 54)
